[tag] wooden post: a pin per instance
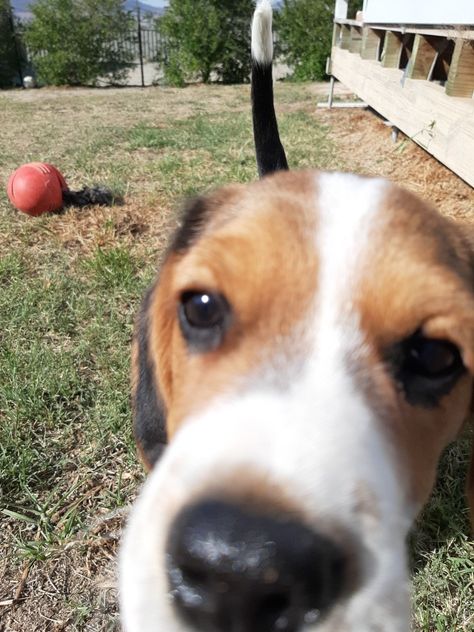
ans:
(422, 58)
(392, 50)
(345, 37)
(336, 35)
(331, 92)
(356, 39)
(461, 71)
(370, 44)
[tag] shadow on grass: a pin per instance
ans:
(446, 517)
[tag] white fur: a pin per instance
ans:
(317, 437)
(262, 37)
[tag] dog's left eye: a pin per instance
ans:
(431, 358)
(204, 318)
(426, 368)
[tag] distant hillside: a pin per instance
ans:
(21, 7)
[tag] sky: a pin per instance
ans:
(156, 3)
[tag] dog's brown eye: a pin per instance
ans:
(431, 357)
(203, 310)
(203, 317)
(425, 369)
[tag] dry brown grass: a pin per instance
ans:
(89, 135)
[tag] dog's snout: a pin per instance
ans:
(237, 570)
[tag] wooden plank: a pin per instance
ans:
(348, 22)
(345, 40)
(450, 33)
(444, 126)
(371, 40)
(392, 50)
(461, 71)
(356, 39)
(447, 31)
(336, 34)
(423, 58)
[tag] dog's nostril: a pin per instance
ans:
(233, 570)
(273, 612)
(192, 576)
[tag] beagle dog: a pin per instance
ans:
(308, 352)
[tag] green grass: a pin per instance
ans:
(64, 374)
(69, 288)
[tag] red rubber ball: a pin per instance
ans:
(36, 188)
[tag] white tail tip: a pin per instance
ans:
(262, 37)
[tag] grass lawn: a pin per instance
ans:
(70, 285)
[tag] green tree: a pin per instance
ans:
(353, 7)
(205, 37)
(304, 32)
(74, 42)
(9, 49)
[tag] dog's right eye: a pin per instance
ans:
(426, 368)
(204, 318)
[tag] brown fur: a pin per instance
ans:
(257, 249)
(422, 277)
(261, 260)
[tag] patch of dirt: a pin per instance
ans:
(136, 224)
(42, 597)
(364, 143)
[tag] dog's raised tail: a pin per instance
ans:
(269, 150)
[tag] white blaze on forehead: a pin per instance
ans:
(348, 219)
(348, 213)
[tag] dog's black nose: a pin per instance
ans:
(236, 570)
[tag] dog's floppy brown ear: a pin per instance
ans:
(149, 415)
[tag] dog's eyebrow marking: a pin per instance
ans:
(194, 216)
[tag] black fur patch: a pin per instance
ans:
(149, 413)
(194, 216)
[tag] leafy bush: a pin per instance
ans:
(353, 7)
(205, 37)
(74, 42)
(9, 53)
(305, 31)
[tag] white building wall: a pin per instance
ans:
(436, 12)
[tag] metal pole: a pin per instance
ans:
(331, 92)
(140, 48)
